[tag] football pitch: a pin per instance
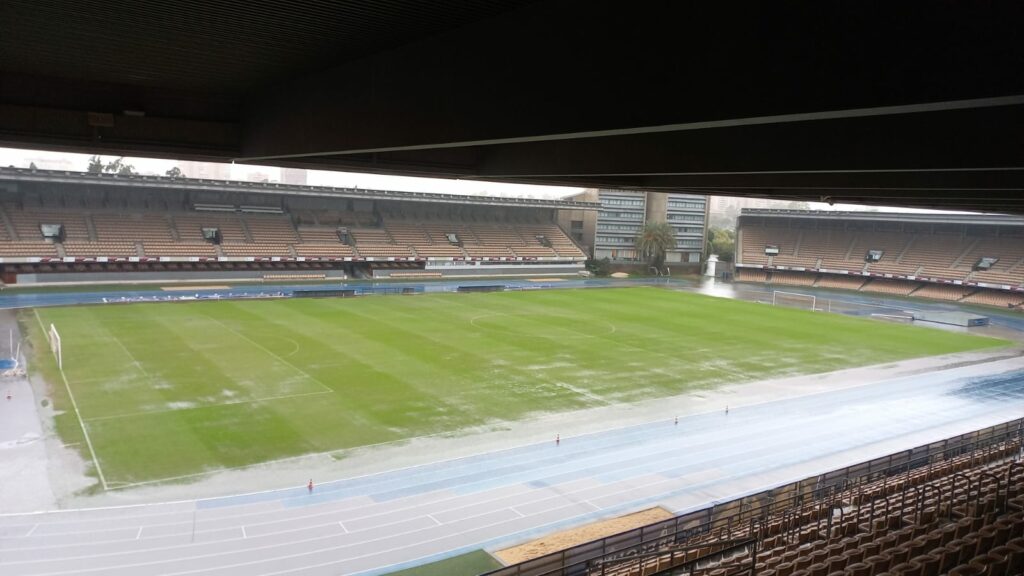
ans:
(169, 390)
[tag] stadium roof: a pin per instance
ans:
(913, 103)
(198, 184)
(868, 216)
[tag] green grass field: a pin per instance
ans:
(469, 564)
(175, 389)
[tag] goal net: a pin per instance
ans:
(55, 346)
(794, 300)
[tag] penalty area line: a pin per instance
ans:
(74, 404)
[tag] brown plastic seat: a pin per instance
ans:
(963, 527)
(817, 570)
(965, 570)
(930, 564)
(986, 538)
(1000, 561)
(1003, 530)
(948, 533)
(854, 556)
(870, 548)
(982, 563)
(920, 545)
(969, 548)
(837, 563)
(819, 557)
(879, 563)
(899, 569)
(1016, 547)
(950, 555)
(887, 542)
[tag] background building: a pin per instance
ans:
(611, 232)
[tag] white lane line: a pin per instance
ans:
(138, 535)
(74, 404)
(436, 521)
(33, 529)
(521, 515)
(412, 543)
(340, 523)
(244, 535)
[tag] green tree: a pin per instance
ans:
(654, 240)
(95, 165)
(602, 267)
(175, 173)
(723, 243)
(119, 166)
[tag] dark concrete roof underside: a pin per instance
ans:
(904, 103)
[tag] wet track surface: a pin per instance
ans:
(377, 523)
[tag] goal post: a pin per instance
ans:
(55, 346)
(794, 300)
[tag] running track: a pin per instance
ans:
(379, 523)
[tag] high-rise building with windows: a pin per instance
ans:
(611, 232)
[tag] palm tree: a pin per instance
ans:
(654, 240)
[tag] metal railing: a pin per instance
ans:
(748, 514)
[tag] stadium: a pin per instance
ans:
(400, 371)
(208, 339)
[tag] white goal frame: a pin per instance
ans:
(56, 347)
(813, 298)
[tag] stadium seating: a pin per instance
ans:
(106, 248)
(132, 231)
(829, 248)
(995, 298)
(886, 286)
(959, 512)
(792, 278)
(942, 292)
(840, 282)
(190, 226)
(751, 275)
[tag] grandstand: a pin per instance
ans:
(72, 226)
(971, 258)
(950, 507)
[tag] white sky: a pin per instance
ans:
(67, 161)
(47, 160)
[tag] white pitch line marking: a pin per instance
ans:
(74, 404)
(268, 351)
